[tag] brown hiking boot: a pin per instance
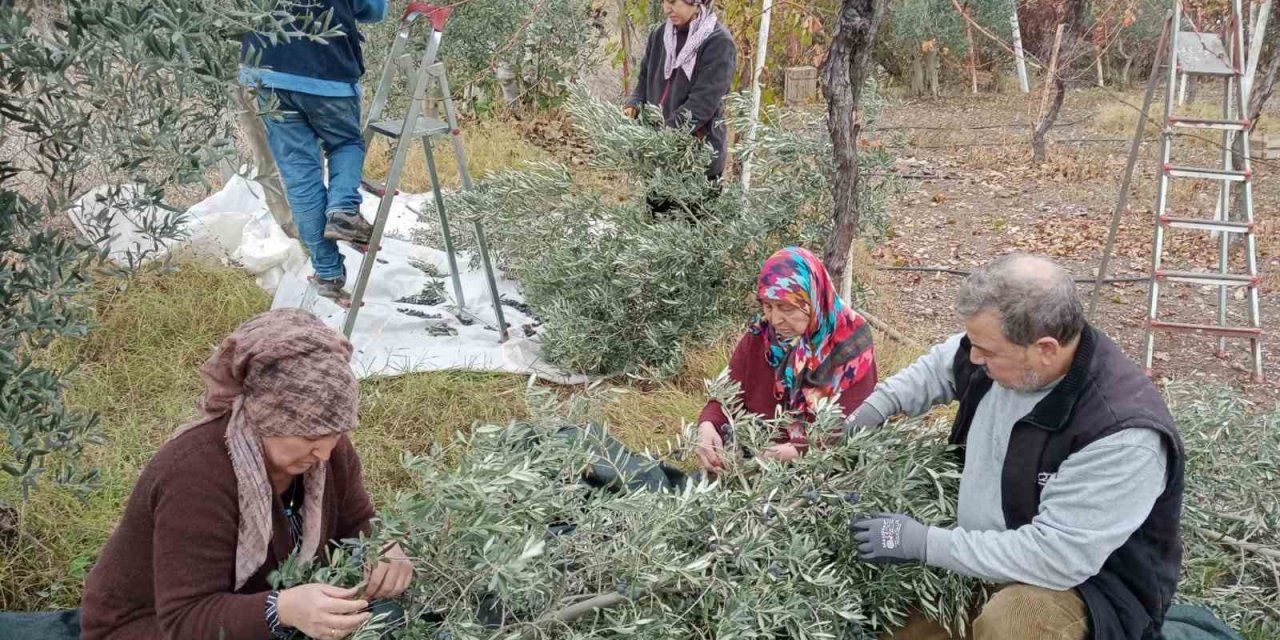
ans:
(332, 289)
(348, 226)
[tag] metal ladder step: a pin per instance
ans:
(1208, 329)
(426, 77)
(1201, 54)
(1201, 224)
(1207, 174)
(424, 126)
(376, 188)
(1205, 277)
(1208, 123)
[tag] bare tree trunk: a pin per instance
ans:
(932, 65)
(973, 58)
(1053, 85)
(1073, 22)
(1128, 63)
(1050, 115)
(917, 73)
(844, 74)
(268, 175)
(1263, 87)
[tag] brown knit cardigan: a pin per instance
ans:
(168, 571)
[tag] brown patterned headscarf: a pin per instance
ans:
(281, 373)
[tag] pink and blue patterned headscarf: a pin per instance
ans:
(834, 350)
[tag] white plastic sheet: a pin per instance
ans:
(396, 331)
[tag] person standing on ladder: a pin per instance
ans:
(316, 90)
(686, 72)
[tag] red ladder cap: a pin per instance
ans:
(437, 15)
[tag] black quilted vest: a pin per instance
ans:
(1103, 393)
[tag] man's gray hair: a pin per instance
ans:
(1033, 297)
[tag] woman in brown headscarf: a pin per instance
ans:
(265, 470)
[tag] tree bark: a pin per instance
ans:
(1128, 63)
(933, 65)
(844, 74)
(973, 56)
(917, 73)
(1074, 13)
(1263, 86)
(1050, 115)
(268, 175)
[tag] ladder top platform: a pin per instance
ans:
(1203, 54)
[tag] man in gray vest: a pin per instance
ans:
(1071, 493)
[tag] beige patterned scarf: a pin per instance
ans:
(700, 28)
(281, 373)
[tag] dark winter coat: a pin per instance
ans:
(1103, 393)
(698, 100)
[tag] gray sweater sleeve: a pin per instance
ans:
(927, 382)
(1099, 497)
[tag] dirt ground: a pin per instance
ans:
(970, 194)
(973, 195)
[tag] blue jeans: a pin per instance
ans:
(307, 125)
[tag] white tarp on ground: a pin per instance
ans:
(407, 323)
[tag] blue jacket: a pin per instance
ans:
(330, 68)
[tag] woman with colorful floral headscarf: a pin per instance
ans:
(805, 346)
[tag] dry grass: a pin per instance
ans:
(1072, 164)
(138, 370)
(489, 145)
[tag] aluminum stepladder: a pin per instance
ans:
(416, 124)
(1205, 54)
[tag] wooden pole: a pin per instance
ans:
(1098, 63)
(762, 50)
(624, 29)
(1255, 48)
(1048, 78)
(1123, 198)
(1020, 58)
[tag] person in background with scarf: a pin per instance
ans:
(805, 346)
(266, 470)
(686, 71)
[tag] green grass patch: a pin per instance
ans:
(139, 370)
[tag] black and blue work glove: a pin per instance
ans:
(889, 538)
